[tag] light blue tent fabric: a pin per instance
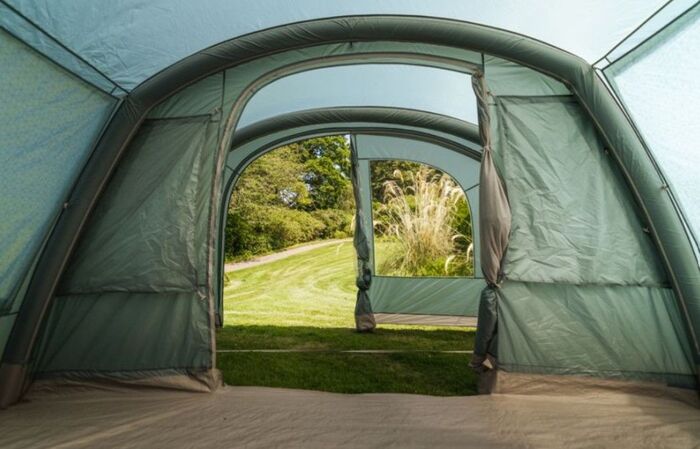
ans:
(664, 16)
(111, 35)
(659, 85)
(49, 120)
(24, 29)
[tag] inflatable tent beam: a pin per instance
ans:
(383, 117)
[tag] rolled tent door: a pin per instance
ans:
(495, 222)
(364, 318)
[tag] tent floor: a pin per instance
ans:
(269, 417)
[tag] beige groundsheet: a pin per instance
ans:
(268, 417)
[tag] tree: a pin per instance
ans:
(327, 172)
(274, 179)
(290, 195)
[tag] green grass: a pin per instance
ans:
(306, 302)
(431, 373)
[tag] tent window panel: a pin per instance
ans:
(658, 85)
(573, 220)
(422, 221)
(147, 231)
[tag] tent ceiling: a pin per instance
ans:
(129, 41)
(428, 89)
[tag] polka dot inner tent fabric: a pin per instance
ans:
(571, 127)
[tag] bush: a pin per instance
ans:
(287, 227)
(261, 229)
(337, 224)
(418, 215)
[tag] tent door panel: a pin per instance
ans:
(419, 296)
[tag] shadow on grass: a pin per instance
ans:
(432, 373)
(337, 338)
(436, 374)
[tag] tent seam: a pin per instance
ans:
(62, 45)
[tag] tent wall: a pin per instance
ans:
(134, 299)
(49, 120)
(637, 169)
(573, 221)
(584, 292)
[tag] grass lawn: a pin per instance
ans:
(306, 302)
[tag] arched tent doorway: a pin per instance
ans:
(522, 75)
(444, 132)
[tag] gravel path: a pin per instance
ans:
(281, 255)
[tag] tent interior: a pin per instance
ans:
(573, 135)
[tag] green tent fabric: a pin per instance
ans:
(550, 159)
(132, 267)
(116, 155)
